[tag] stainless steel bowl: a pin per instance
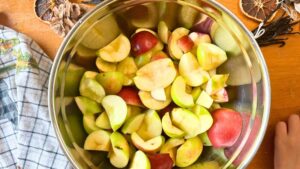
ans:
(249, 84)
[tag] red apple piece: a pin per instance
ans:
(130, 96)
(159, 55)
(226, 128)
(185, 43)
(160, 161)
(142, 42)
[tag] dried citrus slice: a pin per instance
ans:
(258, 9)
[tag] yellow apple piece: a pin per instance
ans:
(170, 147)
(87, 106)
(159, 94)
(128, 68)
(104, 66)
(163, 32)
(140, 161)
(147, 77)
(196, 93)
(133, 111)
(151, 146)
(133, 124)
(89, 123)
(189, 152)
(179, 94)
(173, 47)
(204, 116)
(216, 83)
(112, 82)
(115, 51)
(151, 126)
(102, 121)
(155, 104)
(98, 140)
(171, 130)
(119, 157)
(204, 100)
(116, 109)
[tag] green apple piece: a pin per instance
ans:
(98, 140)
(147, 78)
(171, 130)
(204, 165)
(151, 126)
(102, 121)
(186, 121)
(133, 124)
(119, 156)
(159, 94)
(140, 161)
(173, 47)
(179, 94)
(104, 66)
(205, 139)
(170, 147)
(89, 124)
(155, 104)
(116, 110)
(190, 69)
(204, 100)
(204, 116)
(112, 82)
(87, 106)
(143, 59)
(216, 83)
(151, 146)
(90, 88)
(196, 93)
(133, 111)
(163, 32)
(210, 56)
(115, 51)
(189, 152)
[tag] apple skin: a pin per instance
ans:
(130, 96)
(204, 116)
(142, 42)
(185, 43)
(159, 55)
(173, 48)
(160, 161)
(226, 128)
(111, 81)
(256, 127)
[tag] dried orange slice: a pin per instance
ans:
(258, 9)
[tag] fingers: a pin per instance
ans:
(281, 130)
(294, 125)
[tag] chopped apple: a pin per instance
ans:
(160, 161)
(179, 95)
(151, 146)
(185, 43)
(140, 161)
(204, 116)
(98, 140)
(220, 96)
(196, 93)
(116, 110)
(151, 126)
(87, 106)
(128, 68)
(198, 38)
(155, 104)
(171, 130)
(147, 78)
(130, 96)
(120, 150)
(116, 51)
(216, 83)
(143, 59)
(142, 42)
(226, 128)
(89, 123)
(210, 56)
(102, 121)
(90, 88)
(204, 165)
(163, 32)
(189, 152)
(173, 47)
(112, 82)
(159, 55)
(186, 121)
(104, 66)
(205, 139)
(85, 56)
(133, 124)
(159, 94)
(204, 100)
(190, 69)
(133, 111)
(170, 147)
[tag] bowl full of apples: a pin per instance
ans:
(159, 84)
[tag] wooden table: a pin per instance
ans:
(283, 64)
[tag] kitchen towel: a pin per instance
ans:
(27, 138)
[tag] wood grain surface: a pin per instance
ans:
(283, 64)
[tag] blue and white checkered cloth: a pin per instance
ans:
(27, 138)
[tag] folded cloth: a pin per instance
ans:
(27, 138)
